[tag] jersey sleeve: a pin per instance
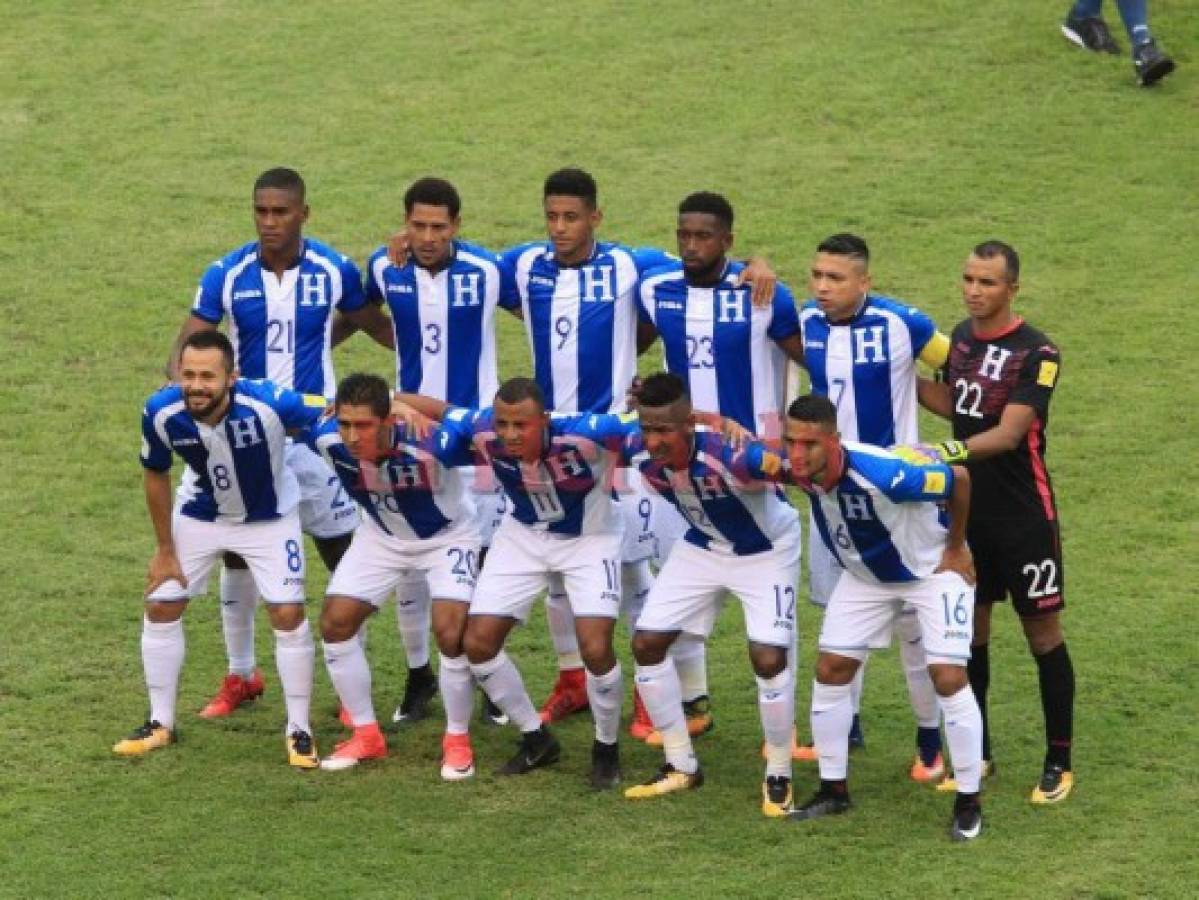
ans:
(646, 258)
(454, 437)
(509, 289)
(645, 301)
(784, 320)
(905, 482)
(1038, 378)
(374, 290)
(352, 296)
(155, 455)
(296, 410)
(922, 331)
(208, 304)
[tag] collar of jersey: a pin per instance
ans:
(996, 335)
(299, 258)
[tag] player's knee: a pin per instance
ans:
(1043, 633)
(479, 644)
(449, 638)
(160, 612)
(336, 624)
(649, 647)
(767, 661)
(286, 616)
(947, 680)
(834, 669)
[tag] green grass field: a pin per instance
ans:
(129, 137)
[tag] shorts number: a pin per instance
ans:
(612, 574)
(295, 561)
(562, 329)
(959, 614)
(466, 562)
(644, 509)
(432, 338)
(1042, 579)
(281, 336)
(970, 398)
(699, 353)
(841, 537)
(220, 477)
(784, 602)
(339, 498)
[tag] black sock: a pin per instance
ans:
(978, 670)
(1057, 700)
(837, 787)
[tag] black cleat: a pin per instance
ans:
(825, 802)
(419, 692)
(1090, 33)
(605, 766)
(537, 748)
(491, 714)
(967, 821)
(1150, 64)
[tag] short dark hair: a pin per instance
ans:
(813, 408)
(210, 339)
(433, 192)
(1011, 259)
(710, 203)
(282, 179)
(846, 244)
(572, 183)
(361, 389)
(661, 389)
(514, 390)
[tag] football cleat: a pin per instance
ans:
(927, 774)
(419, 691)
(1090, 33)
(1055, 786)
(344, 717)
(642, 725)
(605, 766)
(457, 757)
(301, 751)
(1149, 64)
(776, 796)
(967, 821)
(537, 748)
(490, 713)
(568, 697)
(367, 742)
(668, 780)
(949, 785)
(235, 690)
(147, 737)
(699, 720)
(825, 802)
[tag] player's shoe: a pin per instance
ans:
(1090, 33)
(419, 691)
(799, 752)
(668, 780)
(967, 821)
(367, 742)
(825, 802)
(490, 713)
(568, 697)
(1055, 786)
(147, 737)
(777, 800)
(537, 748)
(1149, 63)
(301, 751)
(642, 725)
(235, 690)
(948, 784)
(344, 717)
(927, 774)
(605, 766)
(698, 713)
(457, 757)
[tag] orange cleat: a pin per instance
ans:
(642, 725)
(367, 742)
(799, 752)
(569, 696)
(927, 774)
(457, 757)
(699, 720)
(235, 690)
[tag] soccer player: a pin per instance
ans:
(286, 297)
(419, 520)
(1085, 27)
(997, 387)
(556, 471)
(237, 496)
(861, 350)
(879, 515)
(743, 537)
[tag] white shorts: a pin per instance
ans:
(326, 510)
(688, 593)
(521, 560)
(376, 563)
(273, 551)
(490, 507)
(861, 616)
(823, 568)
(669, 528)
(637, 510)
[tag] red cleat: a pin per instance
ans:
(367, 742)
(234, 691)
(457, 757)
(343, 716)
(642, 725)
(568, 696)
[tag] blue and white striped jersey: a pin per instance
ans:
(882, 520)
(444, 323)
(569, 491)
(235, 469)
(281, 328)
(729, 502)
(867, 367)
(582, 322)
(412, 493)
(721, 345)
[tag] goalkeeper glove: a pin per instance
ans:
(953, 451)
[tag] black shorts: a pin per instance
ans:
(1020, 558)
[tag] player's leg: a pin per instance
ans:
(414, 619)
(823, 573)
(239, 599)
(928, 766)
(492, 505)
(569, 693)
(1055, 676)
(1085, 27)
(635, 582)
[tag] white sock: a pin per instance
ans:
(162, 660)
(351, 677)
(659, 689)
(457, 692)
(964, 734)
(855, 688)
(635, 582)
(413, 616)
(921, 693)
(561, 621)
(605, 693)
(501, 681)
(295, 656)
(690, 657)
(832, 717)
(776, 706)
(239, 597)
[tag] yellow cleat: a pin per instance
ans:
(669, 780)
(148, 737)
(776, 796)
(948, 785)
(1055, 786)
(301, 751)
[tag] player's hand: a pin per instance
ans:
(952, 451)
(418, 425)
(632, 398)
(397, 249)
(772, 464)
(735, 434)
(960, 561)
(761, 279)
(164, 567)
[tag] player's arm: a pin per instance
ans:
(370, 319)
(417, 412)
(935, 352)
(647, 333)
(191, 325)
(792, 345)
(761, 279)
(935, 396)
(956, 557)
(1015, 422)
(164, 564)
